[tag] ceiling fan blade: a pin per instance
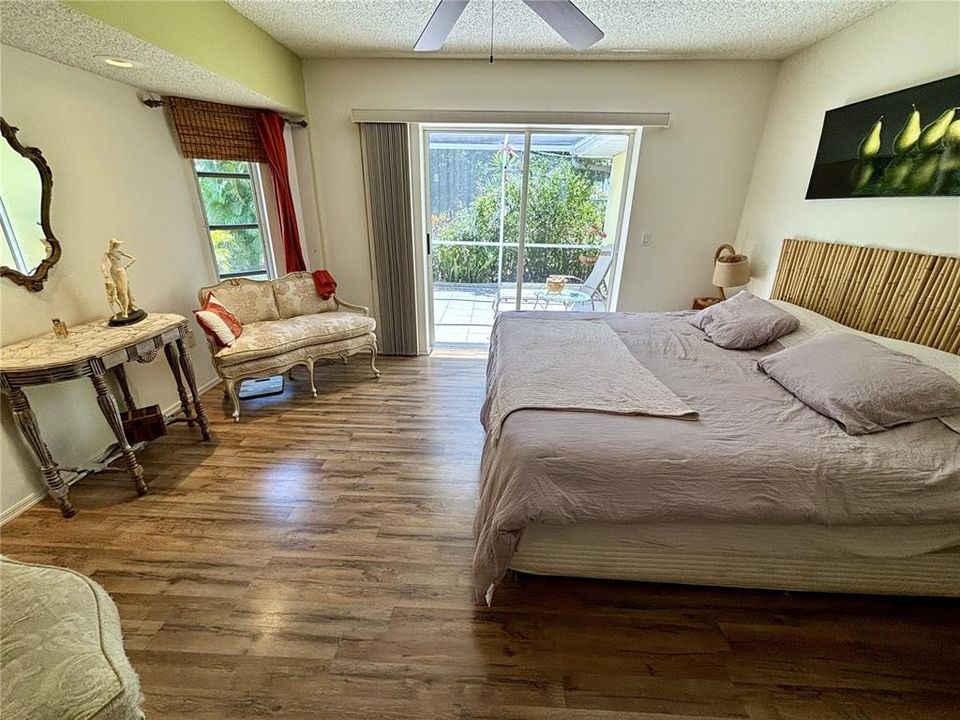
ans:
(569, 22)
(439, 25)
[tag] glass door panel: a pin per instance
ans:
(572, 217)
(510, 233)
(474, 186)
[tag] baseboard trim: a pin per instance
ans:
(29, 501)
(21, 507)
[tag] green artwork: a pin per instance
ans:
(906, 143)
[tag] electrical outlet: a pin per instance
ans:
(646, 238)
(191, 338)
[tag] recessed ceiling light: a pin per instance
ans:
(116, 61)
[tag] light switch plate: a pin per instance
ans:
(646, 238)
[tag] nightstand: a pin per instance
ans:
(704, 302)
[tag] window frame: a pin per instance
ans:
(254, 175)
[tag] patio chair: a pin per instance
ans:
(595, 286)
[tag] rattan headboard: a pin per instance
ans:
(895, 293)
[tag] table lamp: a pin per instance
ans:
(729, 268)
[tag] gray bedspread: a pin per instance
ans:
(540, 361)
(755, 455)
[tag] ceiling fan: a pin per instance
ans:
(562, 15)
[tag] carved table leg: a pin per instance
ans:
(27, 422)
(120, 373)
(110, 410)
(187, 368)
(173, 361)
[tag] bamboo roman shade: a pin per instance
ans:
(213, 131)
(386, 171)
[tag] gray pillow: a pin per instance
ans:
(862, 385)
(744, 322)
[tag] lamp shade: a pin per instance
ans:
(731, 269)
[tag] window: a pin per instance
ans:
(231, 196)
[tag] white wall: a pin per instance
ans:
(117, 172)
(692, 178)
(901, 46)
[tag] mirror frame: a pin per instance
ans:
(34, 281)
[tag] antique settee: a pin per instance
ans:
(285, 323)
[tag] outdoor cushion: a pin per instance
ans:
(249, 301)
(63, 656)
(296, 295)
(265, 339)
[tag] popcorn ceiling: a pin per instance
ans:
(73, 38)
(724, 29)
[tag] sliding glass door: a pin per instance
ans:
(520, 220)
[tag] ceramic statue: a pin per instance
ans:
(113, 268)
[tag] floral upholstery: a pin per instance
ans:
(261, 339)
(250, 300)
(297, 295)
(63, 656)
(263, 366)
(285, 323)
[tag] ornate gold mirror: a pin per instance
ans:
(29, 247)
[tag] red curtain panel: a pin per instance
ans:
(270, 127)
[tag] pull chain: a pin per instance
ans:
(491, 32)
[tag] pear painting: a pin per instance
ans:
(933, 133)
(870, 145)
(907, 138)
(906, 143)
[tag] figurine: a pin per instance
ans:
(113, 268)
(60, 329)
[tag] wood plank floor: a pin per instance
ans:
(314, 562)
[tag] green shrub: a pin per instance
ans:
(566, 205)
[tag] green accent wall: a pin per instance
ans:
(213, 35)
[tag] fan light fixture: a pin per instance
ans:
(562, 15)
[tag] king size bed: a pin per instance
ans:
(727, 479)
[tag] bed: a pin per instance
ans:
(759, 490)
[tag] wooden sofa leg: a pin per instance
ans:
(232, 393)
(309, 366)
(373, 362)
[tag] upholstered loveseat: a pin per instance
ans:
(286, 323)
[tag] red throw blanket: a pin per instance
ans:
(325, 284)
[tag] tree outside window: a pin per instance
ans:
(228, 192)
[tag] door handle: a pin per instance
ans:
(428, 244)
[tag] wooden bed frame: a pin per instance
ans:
(895, 293)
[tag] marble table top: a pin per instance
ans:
(87, 341)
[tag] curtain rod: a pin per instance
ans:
(151, 103)
(513, 117)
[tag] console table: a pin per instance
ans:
(91, 350)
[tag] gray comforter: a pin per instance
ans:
(756, 454)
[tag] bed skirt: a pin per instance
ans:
(889, 560)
